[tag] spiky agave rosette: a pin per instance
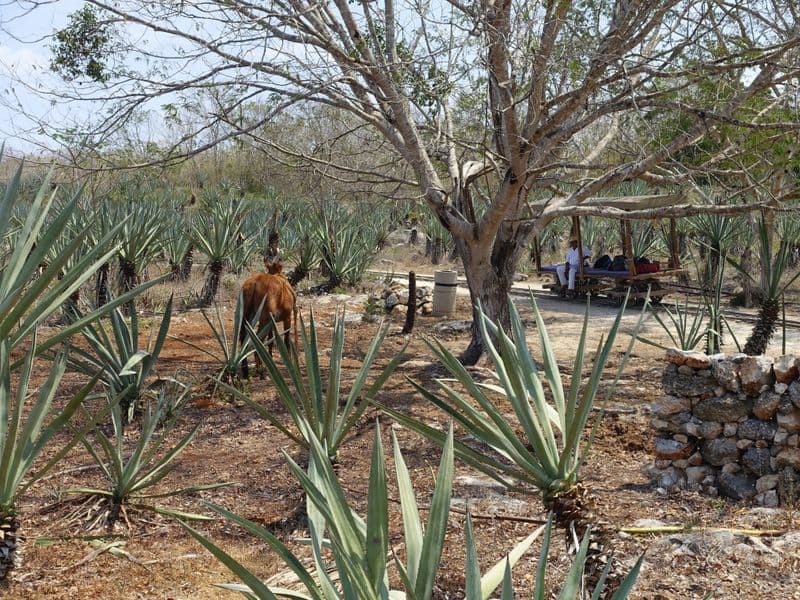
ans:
(549, 455)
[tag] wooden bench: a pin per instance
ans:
(615, 284)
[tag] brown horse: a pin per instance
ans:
(272, 293)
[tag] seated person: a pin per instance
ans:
(566, 272)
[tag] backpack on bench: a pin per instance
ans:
(620, 263)
(604, 262)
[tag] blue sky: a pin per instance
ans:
(24, 59)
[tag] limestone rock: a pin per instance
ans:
(757, 460)
(737, 486)
(788, 457)
(690, 358)
(767, 482)
(754, 373)
(696, 475)
(766, 405)
(669, 405)
(726, 372)
(785, 368)
(726, 408)
(671, 449)
(709, 430)
(790, 421)
(756, 429)
(685, 383)
(720, 451)
(768, 498)
(794, 393)
(391, 301)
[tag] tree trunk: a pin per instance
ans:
(127, 276)
(211, 284)
(489, 279)
(437, 250)
(187, 262)
(411, 308)
(575, 508)
(764, 328)
(101, 287)
(174, 271)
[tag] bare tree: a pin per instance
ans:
(487, 104)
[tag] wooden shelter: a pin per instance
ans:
(616, 284)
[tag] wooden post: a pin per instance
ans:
(411, 311)
(628, 246)
(576, 225)
(674, 253)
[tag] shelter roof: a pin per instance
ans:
(630, 203)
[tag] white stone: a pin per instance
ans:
(766, 483)
(780, 388)
(769, 499)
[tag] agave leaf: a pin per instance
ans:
(572, 583)
(433, 540)
(255, 585)
(377, 540)
(285, 554)
(472, 576)
(412, 525)
(493, 577)
(627, 584)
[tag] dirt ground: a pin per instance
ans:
(60, 559)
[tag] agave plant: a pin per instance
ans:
(24, 432)
(549, 457)
(360, 548)
(686, 326)
(231, 350)
(79, 220)
(773, 280)
(140, 241)
(715, 235)
(125, 365)
(301, 249)
(347, 248)
(438, 238)
(24, 305)
(216, 233)
(131, 475)
(176, 245)
(28, 297)
(313, 403)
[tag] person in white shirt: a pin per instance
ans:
(566, 272)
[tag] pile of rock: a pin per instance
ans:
(729, 425)
(394, 298)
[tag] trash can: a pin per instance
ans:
(445, 285)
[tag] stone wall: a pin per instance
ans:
(730, 426)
